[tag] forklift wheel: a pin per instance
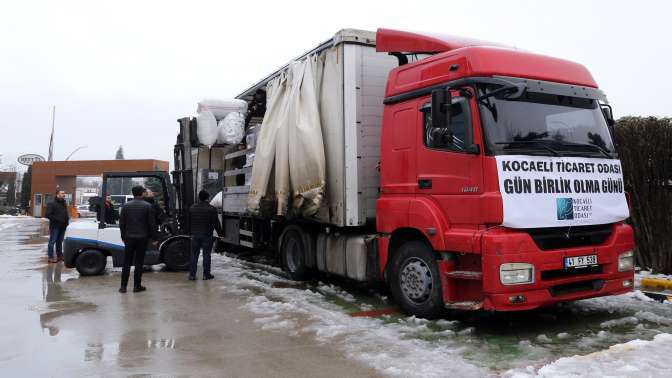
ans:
(177, 253)
(91, 262)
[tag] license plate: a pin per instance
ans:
(580, 261)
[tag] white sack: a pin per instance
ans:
(221, 108)
(217, 200)
(206, 128)
(231, 128)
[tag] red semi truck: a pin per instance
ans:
(462, 174)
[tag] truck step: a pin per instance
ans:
(465, 275)
(466, 305)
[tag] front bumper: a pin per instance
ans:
(543, 297)
(552, 283)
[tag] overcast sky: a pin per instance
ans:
(121, 72)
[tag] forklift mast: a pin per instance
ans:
(183, 176)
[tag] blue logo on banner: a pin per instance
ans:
(565, 208)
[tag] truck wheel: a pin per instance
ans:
(415, 281)
(177, 254)
(293, 254)
(91, 262)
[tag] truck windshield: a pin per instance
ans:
(544, 124)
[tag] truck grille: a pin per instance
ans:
(576, 287)
(568, 237)
(564, 273)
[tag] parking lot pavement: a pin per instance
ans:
(56, 323)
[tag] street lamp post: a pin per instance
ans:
(75, 150)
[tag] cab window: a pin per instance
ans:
(438, 136)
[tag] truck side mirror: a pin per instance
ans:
(440, 108)
(608, 115)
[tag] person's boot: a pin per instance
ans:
(52, 260)
(208, 276)
(122, 290)
(192, 278)
(60, 258)
(139, 289)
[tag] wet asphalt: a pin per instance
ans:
(56, 323)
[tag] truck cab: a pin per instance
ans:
(88, 243)
(500, 182)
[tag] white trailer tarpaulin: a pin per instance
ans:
(560, 191)
(290, 143)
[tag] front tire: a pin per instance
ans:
(91, 262)
(177, 254)
(415, 281)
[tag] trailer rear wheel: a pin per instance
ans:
(91, 262)
(293, 253)
(415, 281)
(177, 253)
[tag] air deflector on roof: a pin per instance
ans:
(388, 40)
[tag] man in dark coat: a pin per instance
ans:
(110, 212)
(203, 220)
(137, 226)
(57, 213)
(159, 214)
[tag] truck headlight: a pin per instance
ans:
(626, 261)
(516, 273)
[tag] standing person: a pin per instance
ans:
(57, 213)
(203, 220)
(111, 215)
(138, 228)
(159, 215)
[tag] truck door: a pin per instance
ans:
(449, 170)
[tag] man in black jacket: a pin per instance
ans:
(203, 220)
(138, 228)
(57, 213)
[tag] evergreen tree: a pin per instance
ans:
(25, 187)
(120, 153)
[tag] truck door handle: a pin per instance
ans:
(425, 184)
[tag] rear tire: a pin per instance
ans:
(415, 281)
(177, 253)
(293, 254)
(91, 262)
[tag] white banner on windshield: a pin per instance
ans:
(539, 191)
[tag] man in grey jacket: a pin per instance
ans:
(138, 227)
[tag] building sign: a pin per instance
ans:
(560, 191)
(29, 159)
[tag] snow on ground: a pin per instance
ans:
(394, 348)
(636, 358)
(466, 345)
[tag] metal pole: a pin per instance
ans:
(73, 152)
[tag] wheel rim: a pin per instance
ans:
(293, 250)
(416, 280)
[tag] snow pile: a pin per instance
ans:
(634, 358)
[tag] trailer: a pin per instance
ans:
(463, 175)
